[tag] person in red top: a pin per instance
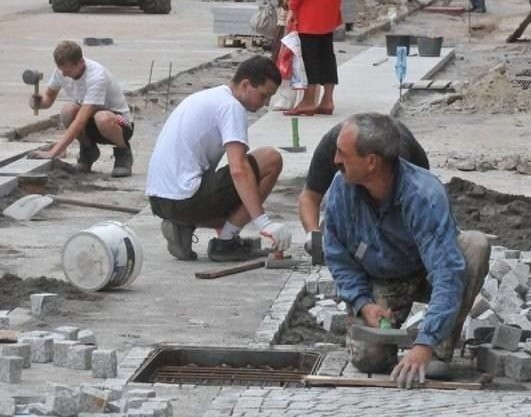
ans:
(315, 22)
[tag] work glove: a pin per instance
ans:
(278, 232)
(280, 235)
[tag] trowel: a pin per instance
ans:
(26, 207)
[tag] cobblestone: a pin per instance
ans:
(384, 402)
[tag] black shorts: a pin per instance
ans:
(216, 198)
(319, 58)
(95, 136)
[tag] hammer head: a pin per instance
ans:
(31, 77)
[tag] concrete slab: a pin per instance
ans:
(7, 185)
(23, 166)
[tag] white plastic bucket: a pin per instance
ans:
(106, 255)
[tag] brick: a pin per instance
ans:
(334, 321)
(22, 350)
(327, 286)
(490, 288)
(159, 408)
(41, 349)
(4, 321)
(312, 284)
(104, 363)
(506, 337)
(480, 306)
(93, 400)
(44, 304)
(141, 393)
(511, 254)
(62, 401)
(499, 268)
(86, 337)
(512, 281)
(80, 357)
(60, 352)
(70, 332)
(490, 360)
(7, 407)
(11, 369)
(518, 366)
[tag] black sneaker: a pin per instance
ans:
(179, 239)
(87, 156)
(234, 250)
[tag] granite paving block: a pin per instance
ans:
(70, 332)
(506, 337)
(518, 366)
(22, 350)
(11, 369)
(7, 407)
(491, 361)
(62, 401)
(44, 304)
(80, 357)
(93, 400)
(60, 352)
(86, 337)
(104, 363)
(41, 349)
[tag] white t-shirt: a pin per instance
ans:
(96, 86)
(192, 141)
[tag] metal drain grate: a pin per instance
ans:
(232, 366)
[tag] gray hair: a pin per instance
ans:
(377, 134)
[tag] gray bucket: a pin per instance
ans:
(394, 41)
(429, 46)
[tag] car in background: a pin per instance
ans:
(148, 6)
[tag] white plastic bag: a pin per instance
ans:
(285, 97)
(298, 80)
(264, 21)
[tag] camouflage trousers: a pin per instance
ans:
(399, 295)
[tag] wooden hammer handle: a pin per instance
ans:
(36, 94)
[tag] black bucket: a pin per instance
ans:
(429, 46)
(393, 41)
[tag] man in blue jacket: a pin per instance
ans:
(391, 239)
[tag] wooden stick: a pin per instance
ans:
(234, 269)
(317, 380)
(111, 207)
(521, 28)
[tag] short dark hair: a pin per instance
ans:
(67, 52)
(257, 70)
(377, 134)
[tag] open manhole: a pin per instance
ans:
(227, 366)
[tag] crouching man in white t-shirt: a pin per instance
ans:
(97, 113)
(187, 190)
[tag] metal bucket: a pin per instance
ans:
(106, 255)
(393, 41)
(429, 46)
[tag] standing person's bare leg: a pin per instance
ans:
(326, 106)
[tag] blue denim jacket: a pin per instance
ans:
(413, 229)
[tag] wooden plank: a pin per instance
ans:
(520, 29)
(450, 10)
(8, 336)
(229, 270)
(321, 380)
(440, 85)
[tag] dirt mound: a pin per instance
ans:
(504, 215)
(16, 291)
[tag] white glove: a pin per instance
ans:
(278, 232)
(280, 235)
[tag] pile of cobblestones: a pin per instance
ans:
(66, 346)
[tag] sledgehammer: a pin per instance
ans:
(32, 77)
